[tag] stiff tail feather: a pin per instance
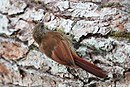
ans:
(89, 67)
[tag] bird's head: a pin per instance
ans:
(39, 31)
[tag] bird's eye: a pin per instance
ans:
(42, 26)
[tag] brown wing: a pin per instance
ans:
(55, 46)
(62, 53)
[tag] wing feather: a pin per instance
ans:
(63, 54)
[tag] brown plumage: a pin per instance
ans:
(57, 47)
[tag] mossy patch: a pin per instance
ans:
(120, 35)
(112, 4)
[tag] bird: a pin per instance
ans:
(58, 47)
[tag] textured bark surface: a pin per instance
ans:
(99, 29)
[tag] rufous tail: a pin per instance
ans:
(89, 67)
